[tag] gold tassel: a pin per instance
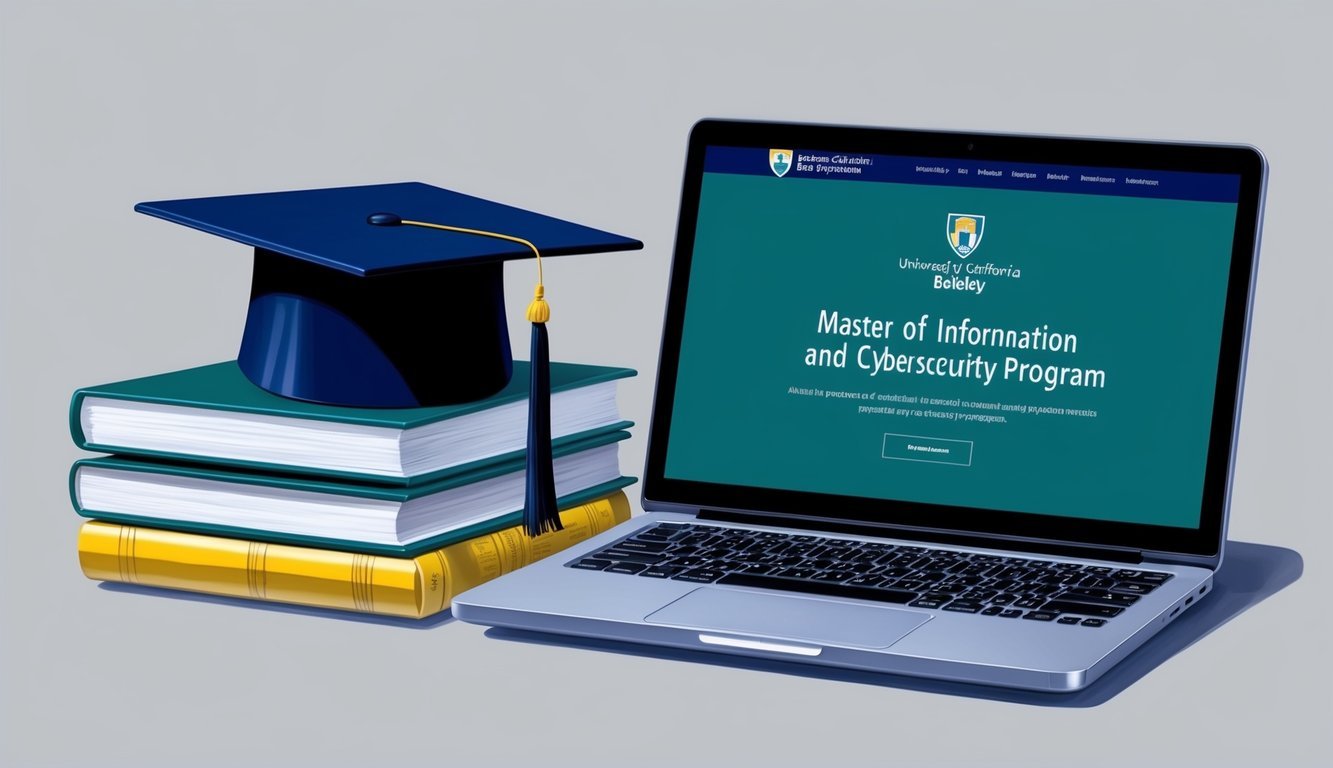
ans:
(539, 311)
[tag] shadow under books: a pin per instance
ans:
(430, 622)
(1250, 574)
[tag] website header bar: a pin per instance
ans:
(962, 172)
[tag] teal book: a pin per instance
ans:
(214, 415)
(399, 521)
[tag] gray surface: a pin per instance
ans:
(581, 111)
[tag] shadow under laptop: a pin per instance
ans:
(1250, 574)
(430, 622)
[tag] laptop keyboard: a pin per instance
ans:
(937, 579)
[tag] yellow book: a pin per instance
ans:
(411, 587)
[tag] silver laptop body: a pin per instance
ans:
(797, 413)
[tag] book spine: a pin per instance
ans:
(76, 419)
(390, 586)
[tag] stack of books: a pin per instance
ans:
(218, 486)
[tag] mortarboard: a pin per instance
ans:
(346, 313)
(345, 310)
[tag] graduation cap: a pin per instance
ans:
(391, 296)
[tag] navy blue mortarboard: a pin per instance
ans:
(354, 302)
(348, 313)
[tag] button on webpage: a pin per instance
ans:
(934, 450)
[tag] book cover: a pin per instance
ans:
(413, 587)
(221, 388)
(255, 484)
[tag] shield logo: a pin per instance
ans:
(779, 160)
(964, 231)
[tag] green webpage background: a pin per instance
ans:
(1140, 282)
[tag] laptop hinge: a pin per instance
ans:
(938, 537)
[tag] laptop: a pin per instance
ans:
(954, 405)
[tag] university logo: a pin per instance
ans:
(780, 161)
(964, 231)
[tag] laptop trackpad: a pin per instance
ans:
(791, 617)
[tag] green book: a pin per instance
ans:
(213, 414)
(400, 521)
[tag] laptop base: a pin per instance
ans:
(856, 634)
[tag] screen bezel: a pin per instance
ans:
(777, 506)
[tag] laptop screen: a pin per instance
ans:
(1002, 336)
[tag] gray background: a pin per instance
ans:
(581, 110)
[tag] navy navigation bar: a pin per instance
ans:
(954, 172)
